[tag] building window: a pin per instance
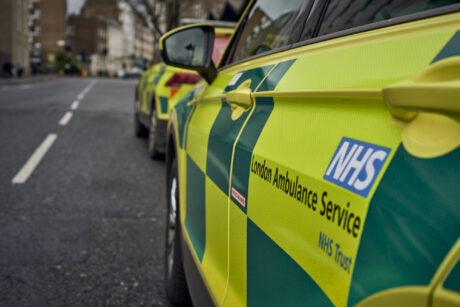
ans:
(35, 30)
(35, 14)
(71, 30)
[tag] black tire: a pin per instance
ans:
(176, 285)
(153, 136)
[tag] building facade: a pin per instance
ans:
(137, 37)
(143, 41)
(115, 46)
(14, 45)
(47, 23)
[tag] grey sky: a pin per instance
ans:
(74, 6)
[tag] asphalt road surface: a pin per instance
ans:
(82, 207)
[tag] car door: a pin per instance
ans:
(215, 124)
(211, 134)
(343, 177)
(156, 73)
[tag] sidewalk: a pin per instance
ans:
(5, 82)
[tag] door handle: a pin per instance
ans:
(428, 106)
(435, 90)
(242, 96)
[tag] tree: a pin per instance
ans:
(162, 15)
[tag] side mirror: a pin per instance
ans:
(190, 47)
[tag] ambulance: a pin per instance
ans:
(162, 86)
(318, 163)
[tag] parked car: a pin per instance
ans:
(161, 87)
(319, 163)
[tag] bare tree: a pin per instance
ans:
(162, 15)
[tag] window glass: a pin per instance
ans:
(187, 47)
(346, 14)
(269, 26)
(220, 41)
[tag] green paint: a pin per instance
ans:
(220, 146)
(275, 76)
(195, 218)
(255, 75)
(182, 113)
(452, 48)
(252, 131)
(246, 144)
(158, 77)
(274, 278)
(453, 280)
(412, 223)
(225, 130)
(163, 104)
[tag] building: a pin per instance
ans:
(47, 22)
(127, 22)
(138, 40)
(143, 41)
(86, 38)
(114, 45)
(14, 45)
(101, 9)
(86, 35)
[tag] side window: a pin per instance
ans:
(269, 25)
(345, 14)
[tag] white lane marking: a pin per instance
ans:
(75, 105)
(34, 159)
(66, 118)
(86, 90)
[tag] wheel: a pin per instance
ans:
(176, 285)
(153, 151)
(139, 129)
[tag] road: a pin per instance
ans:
(82, 207)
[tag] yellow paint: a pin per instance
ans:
(297, 227)
(236, 290)
(207, 282)
(223, 31)
(216, 253)
(352, 92)
(434, 123)
(333, 89)
(446, 266)
(199, 129)
(241, 96)
(431, 135)
(403, 296)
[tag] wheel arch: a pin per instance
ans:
(171, 150)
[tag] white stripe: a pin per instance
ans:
(86, 90)
(34, 160)
(66, 118)
(74, 105)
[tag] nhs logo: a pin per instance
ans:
(355, 165)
